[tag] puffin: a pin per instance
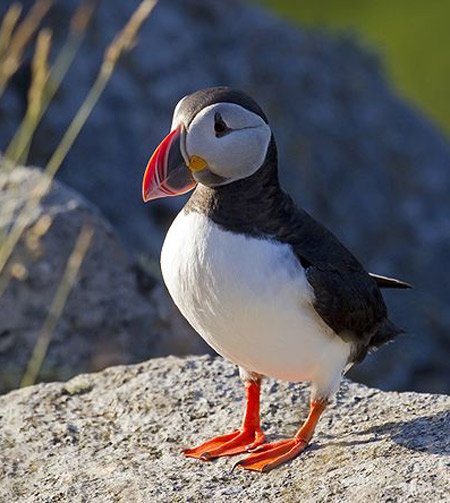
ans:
(263, 283)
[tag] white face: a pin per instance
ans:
(232, 141)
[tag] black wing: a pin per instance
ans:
(347, 298)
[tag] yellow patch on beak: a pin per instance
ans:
(197, 163)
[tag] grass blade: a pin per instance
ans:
(18, 148)
(7, 27)
(19, 40)
(64, 288)
(123, 42)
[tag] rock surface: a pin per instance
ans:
(107, 320)
(351, 152)
(117, 435)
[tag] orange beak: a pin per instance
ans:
(166, 173)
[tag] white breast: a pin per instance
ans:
(250, 300)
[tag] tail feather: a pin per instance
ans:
(387, 282)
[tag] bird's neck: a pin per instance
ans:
(245, 205)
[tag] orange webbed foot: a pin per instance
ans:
(273, 454)
(246, 438)
(270, 455)
(239, 441)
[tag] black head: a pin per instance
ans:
(192, 104)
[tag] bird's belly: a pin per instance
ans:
(250, 300)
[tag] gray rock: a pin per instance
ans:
(117, 436)
(351, 151)
(107, 319)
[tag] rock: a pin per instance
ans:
(117, 436)
(351, 151)
(107, 319)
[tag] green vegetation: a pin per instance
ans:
(412, 36)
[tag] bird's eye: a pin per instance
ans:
(220, 126)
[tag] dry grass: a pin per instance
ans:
(15, 36)
(64, 288)
(7, 26)
(17, 150)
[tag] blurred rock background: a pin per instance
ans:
(112, 315)
(369, 166)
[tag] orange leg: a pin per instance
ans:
(273, 454)
(246, 438)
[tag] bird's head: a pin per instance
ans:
(218, 135)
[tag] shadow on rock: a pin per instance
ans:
(424, 434)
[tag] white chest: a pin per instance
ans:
(249, 299)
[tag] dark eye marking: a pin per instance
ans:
(220, 126)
